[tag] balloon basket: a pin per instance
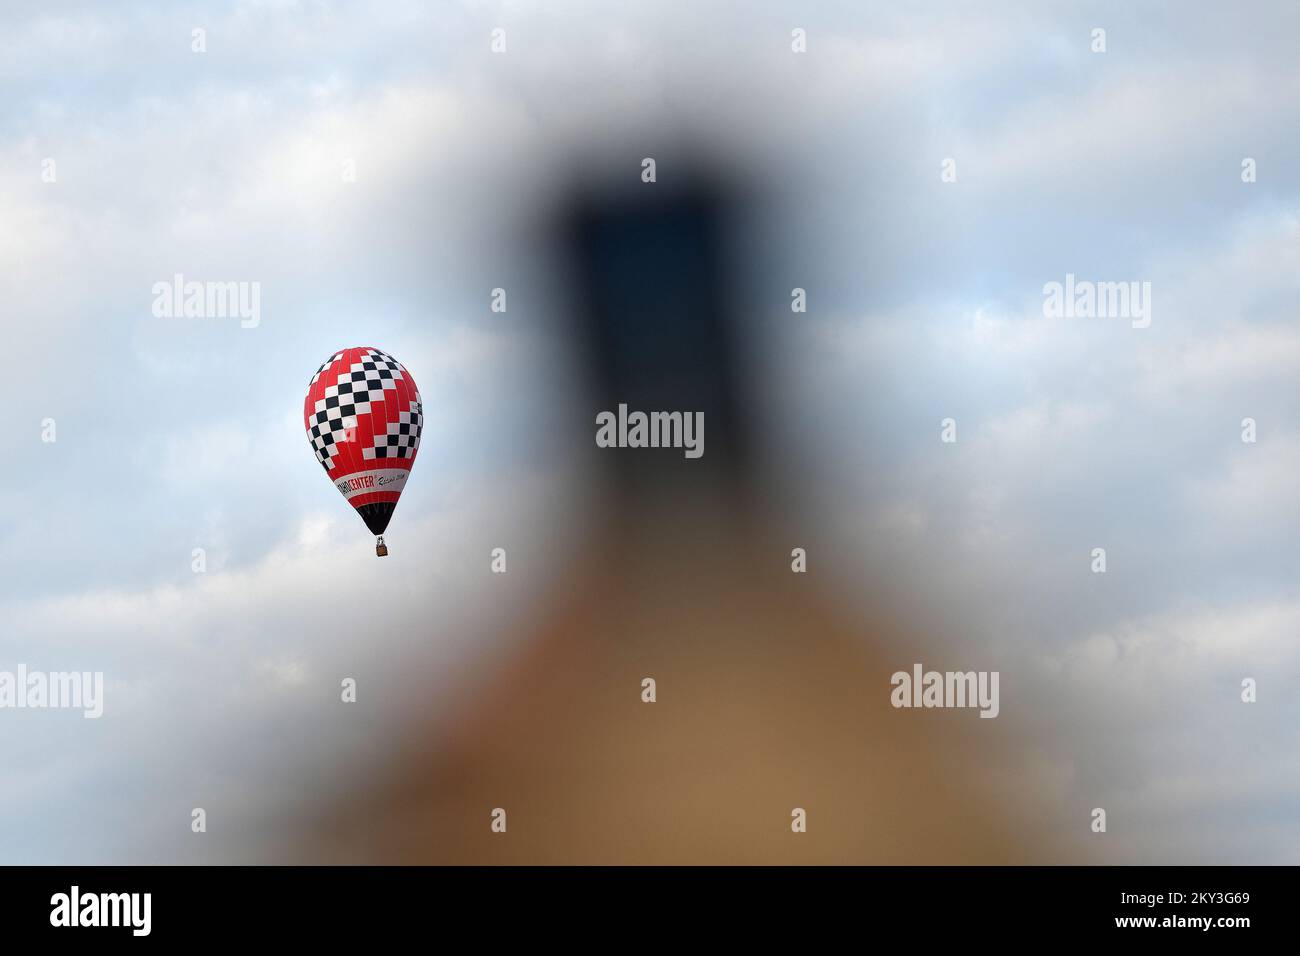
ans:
(381, 549)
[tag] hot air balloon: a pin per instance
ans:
(363, 418)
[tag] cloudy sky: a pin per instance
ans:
(925, 303)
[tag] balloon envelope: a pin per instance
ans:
(363, 418)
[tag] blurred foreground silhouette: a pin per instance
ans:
(768, 698)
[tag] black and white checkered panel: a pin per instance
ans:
(402, 438)
(321, 371)
(365, 381)
(384, 360)
(330, 426)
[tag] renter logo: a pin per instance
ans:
(364, 483)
